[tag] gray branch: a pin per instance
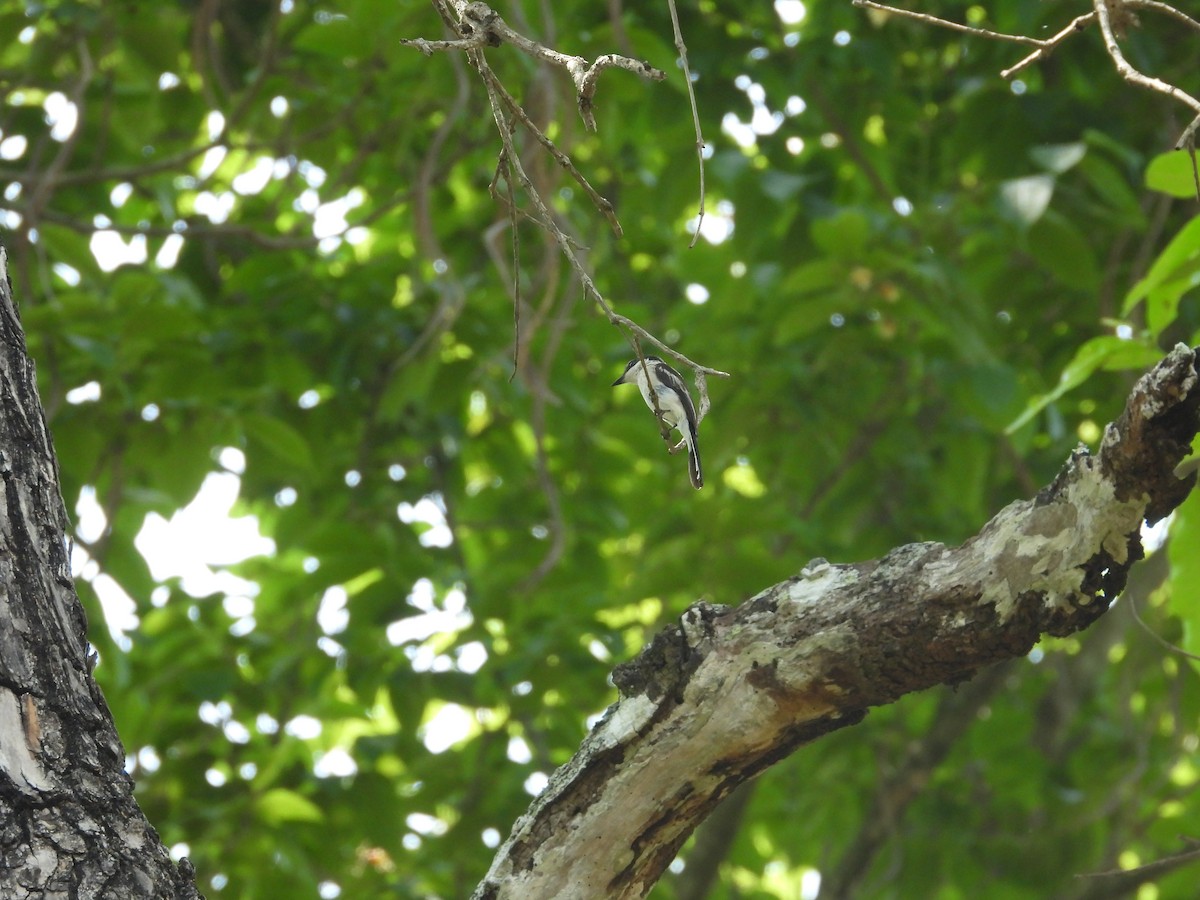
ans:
(481, 26)
(728, 692)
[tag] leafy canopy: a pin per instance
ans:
(257, 239)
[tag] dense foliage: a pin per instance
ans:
(257, 239)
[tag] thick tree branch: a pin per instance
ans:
(728, 692)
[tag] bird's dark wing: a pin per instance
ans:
(675, 381)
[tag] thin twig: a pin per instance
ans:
(1129, 878)
(1102, 13)
(681, 47)
(601, 203)
(1165, 9)
(564, 243)
(953, 26)
(482, 26)
(428, 47)
(516, 265)
(1137, 617)
(1188, 138)
(476, 18)
(1129, 73)
(1076, 25)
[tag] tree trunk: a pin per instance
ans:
(69, 826)
(726, 693)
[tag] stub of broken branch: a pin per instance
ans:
(729, 691)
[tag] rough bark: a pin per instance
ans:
(69, 826)
(727, 692)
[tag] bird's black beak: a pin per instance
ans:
(620, 380)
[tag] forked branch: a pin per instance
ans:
(478, 26)
(481, 26)
(1103, 12)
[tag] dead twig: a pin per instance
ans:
(478, 26)
(481, 26)
(1076, 25)
(1102, 13)
(681, 47)
(953, 26)
(1133, 76)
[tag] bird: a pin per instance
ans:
(674, 404)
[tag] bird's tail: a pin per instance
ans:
(694, 465)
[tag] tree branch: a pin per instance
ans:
(1103, 12)
(481, 26)
(727, 692)
(1133, 76)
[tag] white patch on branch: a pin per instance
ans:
(16, 756)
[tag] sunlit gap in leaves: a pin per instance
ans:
(61, 115)
(790, 12)
(120, 612)
(427, 637)
(763, 121)
(13, 147)
(429, 511)
(335, 762)
(448, 725)
(203, 534)
(196, 538)
(778, 879)
(718, 223)
(329, 224)
(1154, 536)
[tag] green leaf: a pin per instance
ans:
(1112, 185)
(280, 805)
(1107, 351)
(1180, 260)
(1062, 249)
(281, 440)
(842, 236)
(1172, 173)
(1185, 571)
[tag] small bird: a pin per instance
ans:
(674, 404)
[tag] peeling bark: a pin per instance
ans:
(724, 694)
(69, 826)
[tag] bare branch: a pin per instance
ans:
(1166, 10)
(953, 26)
(1103, 11)
(601, 203)
(481, 26)
(681, 47)
(1076, 25)
(546, 217)
(1128, 72)
(1125, 880)
(727, 692)
(428, 47)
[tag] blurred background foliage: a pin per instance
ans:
(264, 283)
